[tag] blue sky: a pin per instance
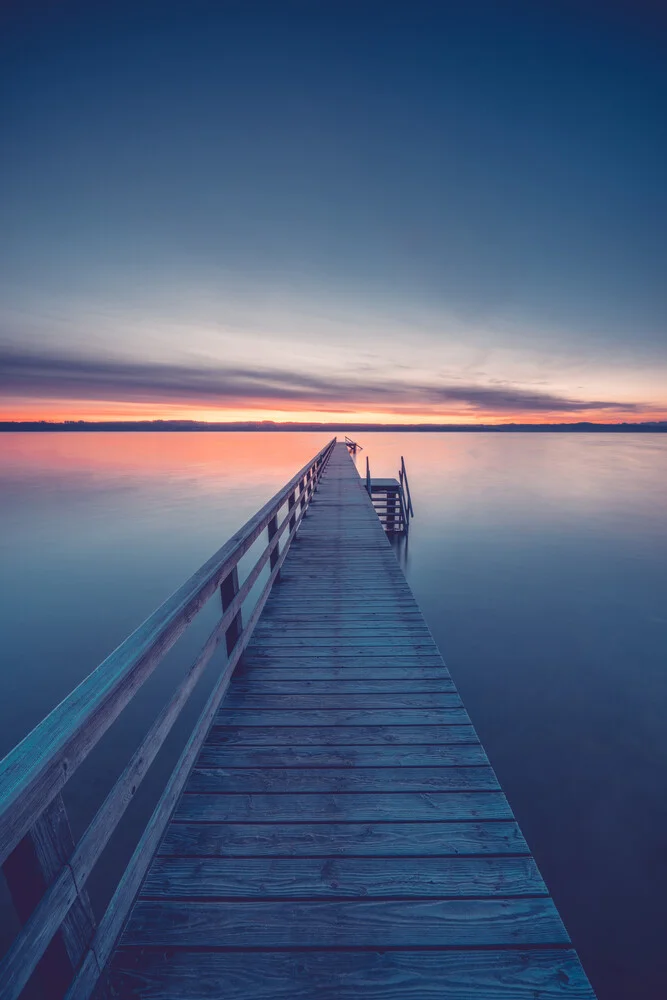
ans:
(405, 211)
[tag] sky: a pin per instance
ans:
(339, 211)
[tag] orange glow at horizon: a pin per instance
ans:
(57, 411)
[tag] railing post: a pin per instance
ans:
(368, 477)
(29, 870)
(275, 553)
(302, 496)
(229, 588)
(291, 503)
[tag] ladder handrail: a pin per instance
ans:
(404, 480)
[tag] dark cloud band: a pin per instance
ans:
(61, 377)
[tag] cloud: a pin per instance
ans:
(25, 374)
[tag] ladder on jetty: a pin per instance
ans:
(391, 500)
(332, 829)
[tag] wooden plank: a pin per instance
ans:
(396, 736)
(342, 807)
(343, 717)
(341, 878)
(355, 839)
(378, 924)
(345, 779)
(287, 615)
(344, 628)
(342, 700)
(340, 602)
(357, 646)
(323, 658)
(447, 755)
(290, 671)
(261, 684)
(547, 974)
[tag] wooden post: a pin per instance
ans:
(29, 871)
(291, 503)
(275, 554)
(229, 588)
(302, 496)
(368, 477)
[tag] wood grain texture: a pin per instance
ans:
(322, 658)
(350, 924)
(288, 672)
(278, 736)
(446, 755)
(343, 807)
(336, 878)
(442, 839)
(286, 781)
(305, 685)
(343, 717)
(344, 700)
(54, 844)
(548, 974)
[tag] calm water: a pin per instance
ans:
(540, 561)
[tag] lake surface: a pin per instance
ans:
(539, 560)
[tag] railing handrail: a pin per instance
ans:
(32, 774)
(31, 809)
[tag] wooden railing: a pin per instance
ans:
(45, 871)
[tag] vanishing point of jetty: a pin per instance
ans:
(332, 829)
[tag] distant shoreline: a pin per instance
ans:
(650, 427)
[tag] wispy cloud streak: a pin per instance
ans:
(30, 375)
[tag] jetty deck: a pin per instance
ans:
(342, 833)
(332, 830)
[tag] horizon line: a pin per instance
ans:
(266, 425)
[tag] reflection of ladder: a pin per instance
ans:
(391, 500)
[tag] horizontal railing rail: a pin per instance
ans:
(34, 772)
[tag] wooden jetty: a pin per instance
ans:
(333, 828)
